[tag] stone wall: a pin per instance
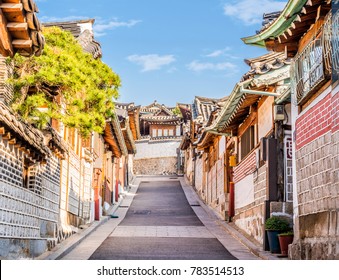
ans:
(250, 218)
(155, 166)
(317, 164)
(199, 174)
(28, 213)
(156, 157)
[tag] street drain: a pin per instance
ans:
(195, 205)
(174, 178)
(142, 212)
(123, 206)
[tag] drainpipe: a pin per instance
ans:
(231, 203)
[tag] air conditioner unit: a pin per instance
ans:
(279, 114)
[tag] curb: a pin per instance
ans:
(66, 246)
(252, 247)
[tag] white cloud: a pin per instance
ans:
(251, 11)
(218, 53)
(151, 62)
(202, 66)
(99, 28)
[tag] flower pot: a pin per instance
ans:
(273, 241)
(284, 241)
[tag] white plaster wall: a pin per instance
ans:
(222, 146)
(156, 149)
(244, 192)
(265, 117)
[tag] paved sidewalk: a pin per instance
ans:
(237, 244)
(74, 249)
(233, 240)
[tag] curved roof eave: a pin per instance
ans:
(287, 16)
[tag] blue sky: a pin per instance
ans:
(170, 50)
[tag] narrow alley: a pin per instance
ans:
(160, 219)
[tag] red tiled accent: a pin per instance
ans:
(315, 122)
(245, 167)
(335, 112)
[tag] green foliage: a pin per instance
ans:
(277, 223)
(74, 87)
(176, 111)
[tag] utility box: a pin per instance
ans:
(279, 114)
(233, 161)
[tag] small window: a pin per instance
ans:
(247, 142)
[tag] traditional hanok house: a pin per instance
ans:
(29, 169)
(161, 133)
(256, 131)
(205, 154)
(112, 167)
(307, 30)
(76, 196)
(129, 120)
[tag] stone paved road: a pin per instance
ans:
(160, 224)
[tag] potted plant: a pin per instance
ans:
(285, 239)
(275, 225)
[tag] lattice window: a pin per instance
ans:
(313, 64)
(288, 168)
(247, 142)
(335, 46)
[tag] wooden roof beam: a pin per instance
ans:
(11, 8)
(17, 26)
(5, 39)
(7, 136)
(22, 44)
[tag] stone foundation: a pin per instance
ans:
(155, 166)
(21, 249)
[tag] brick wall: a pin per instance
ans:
(317, 167)
(245, 167)
(316, 122)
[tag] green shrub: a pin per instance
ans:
(277, 223)
(67, 82)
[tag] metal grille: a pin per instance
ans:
(313, 65)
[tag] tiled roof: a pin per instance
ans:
(20, 29)
(155, 108)
(82, 31)
(22, 131)
(203, 107)
(266, 63)
(286, 30)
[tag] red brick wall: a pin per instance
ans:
(245, 167)
(314, 123)
(335, 112)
